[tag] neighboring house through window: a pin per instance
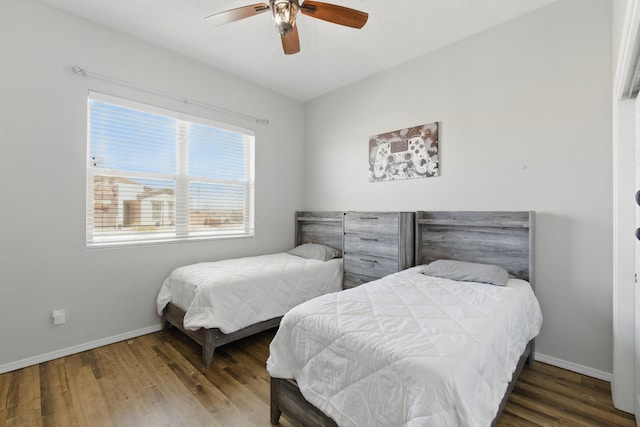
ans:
(156, 175)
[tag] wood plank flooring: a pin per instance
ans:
(158, 380)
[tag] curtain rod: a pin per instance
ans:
(86, 73)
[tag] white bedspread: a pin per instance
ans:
(235, 293)
(407, 350)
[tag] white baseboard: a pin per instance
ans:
(8, 367)
(570, 366)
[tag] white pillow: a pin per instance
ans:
(315, 251)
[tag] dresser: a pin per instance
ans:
(376, 244)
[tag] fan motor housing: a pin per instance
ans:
(284, 14)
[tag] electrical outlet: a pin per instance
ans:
(59, 317)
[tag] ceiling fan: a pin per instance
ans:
(284, 16)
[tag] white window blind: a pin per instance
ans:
(156, 175)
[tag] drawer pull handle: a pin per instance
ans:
(368, 239)
(368, 217)
(368, 260)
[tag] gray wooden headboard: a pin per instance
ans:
(323, 227)
(499, 238)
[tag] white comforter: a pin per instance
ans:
(235, 293)
(407, 350)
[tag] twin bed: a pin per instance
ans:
(414, 348)
(215, 303)
(441, 343)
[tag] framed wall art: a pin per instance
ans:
(404, 154)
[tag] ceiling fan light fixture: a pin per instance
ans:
(284, 15)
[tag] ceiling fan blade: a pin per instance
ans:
(291, 42)
(237, 14)
(333, 13)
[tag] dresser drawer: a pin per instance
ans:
(371, 244)
(373, 222)
(353, 280)
(371, 266)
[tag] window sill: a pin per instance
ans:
(164, 241)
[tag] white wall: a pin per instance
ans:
(43, 261)
(525, 115)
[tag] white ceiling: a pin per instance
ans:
(331, 56)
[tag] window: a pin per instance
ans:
(155, 175)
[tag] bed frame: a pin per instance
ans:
(499, 238)
(311, 227)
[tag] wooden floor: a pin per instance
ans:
(158, 380)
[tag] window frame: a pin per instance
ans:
(182, 181)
